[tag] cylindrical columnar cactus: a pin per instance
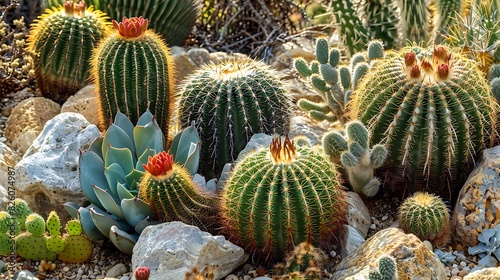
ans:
(63, 39)
(169, 190)
(426, 216)
(434, 111)
(133, 71)
(229, 103)
(280, 197)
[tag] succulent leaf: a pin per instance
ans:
(123, 192)
(124, 241)
(88, 224)
(91, 168)
(114, 175)
(109, 201)
(135, 210)
(121, 156)
(117, 138)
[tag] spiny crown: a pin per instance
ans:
(160, 166)
(282, 152)
(429, 69)
(131, 28)
(233, 69)
(73, 9)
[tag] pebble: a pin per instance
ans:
(3, 139)
(65, 269)
(231, 277)
(385, 217)
(373, 226)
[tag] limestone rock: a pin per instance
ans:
(171, 249)
(414, 260)
(47, 175)
(26, 121)
(478, 204)
(484, 274)
(257, 141)
(8, 160)
(350, 240)
(83, 102)
(357, 214)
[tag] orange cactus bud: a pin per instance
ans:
(131, 27)
(160, 164)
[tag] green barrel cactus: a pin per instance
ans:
(230, 102)
(31, 245)
(62, 40)
(169, 190)
(426, 216)
(282, 196)
(352, 150)
(434, 111)
(387, 270)
(77, 248)
(133, 72)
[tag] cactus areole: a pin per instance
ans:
(131, 28)
(160, 165)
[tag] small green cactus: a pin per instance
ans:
(6, 243)
(53, 224)
(55, 244)
(426, 216)
(351, 149)
(21, 212)
(386, 270)
(229, 103)
(77, 248)
(31, 245)
(61, 68)
(282, 196)
(169, 190)
(304, 258)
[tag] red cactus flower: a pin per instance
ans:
(410, 58)
(131, 27)
(142, 273)
(440, 52)
(160, 164)
(415, 71)
(443, 71)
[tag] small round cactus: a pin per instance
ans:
(426, 216)
(53, 224)
(35, 224)
(282, 196)
(21, 212)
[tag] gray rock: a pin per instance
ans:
(117, 270)
(357, 214)
(299, 126)
(257, 141)
(350, 240)
(172, 249)
(47, 175)
(24, 275)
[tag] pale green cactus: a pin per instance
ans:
(387, 270)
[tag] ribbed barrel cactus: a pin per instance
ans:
(228, 104)
(282, 196)
(62, 40)
(133, 72)
(434, 111)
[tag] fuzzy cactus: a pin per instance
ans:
(31, 245)
(281, 196)
(169, 190)
(351, 148)
(77, 248)
(62, 39)
(230, 102)
(426, 216)
(434, 111)
(133, 71)
(386, 270)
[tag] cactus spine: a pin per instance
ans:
(170, 191)
(426, 216)
(435, 112)
(386, 270)
(132, 70)
(280, 197)
(229, 103)
(63, 39)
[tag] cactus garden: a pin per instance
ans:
(248, 139)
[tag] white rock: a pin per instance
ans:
(47, 175)
(357, 214)
(172, 249)
(350, 240)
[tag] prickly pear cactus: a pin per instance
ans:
(169, 190)
(21, 212)
(435, 112)
(6, 242)
(61, 68)
(54, 241)
(282, 196)
(230, 102)
(426, 216)
(31, 245)
(77, 248)
(133, 72)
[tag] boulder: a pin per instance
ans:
(414, 260)
(484, 274)
(357, 214)
(26, 121)
(83, 102)
(47, 175)
(171, 249)
(478, 203)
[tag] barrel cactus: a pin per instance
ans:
(62, 40)
(282, 196)
(426, 216)
(228, 104)
(434, 111)
(133, 72)
(169, 190)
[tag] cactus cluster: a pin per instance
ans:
(133, 72)
(334, 82)
(281, 196)
(62, 40)
(387, 270)
(351, 148)
(434, 110)
(230, 102)
(426, 216)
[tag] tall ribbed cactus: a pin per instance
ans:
(133, 71)
(229, 103)
(169, 190)
(434, 110)
(282, 196)
(63, 39)
(352, 32)
(415, 20)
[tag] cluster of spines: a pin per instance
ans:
(282, 196)
(229, 103)
(381, 20)
(353, 33)
(387, 270)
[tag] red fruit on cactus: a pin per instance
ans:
(160, 164)
(142, 273)
(131, 27)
